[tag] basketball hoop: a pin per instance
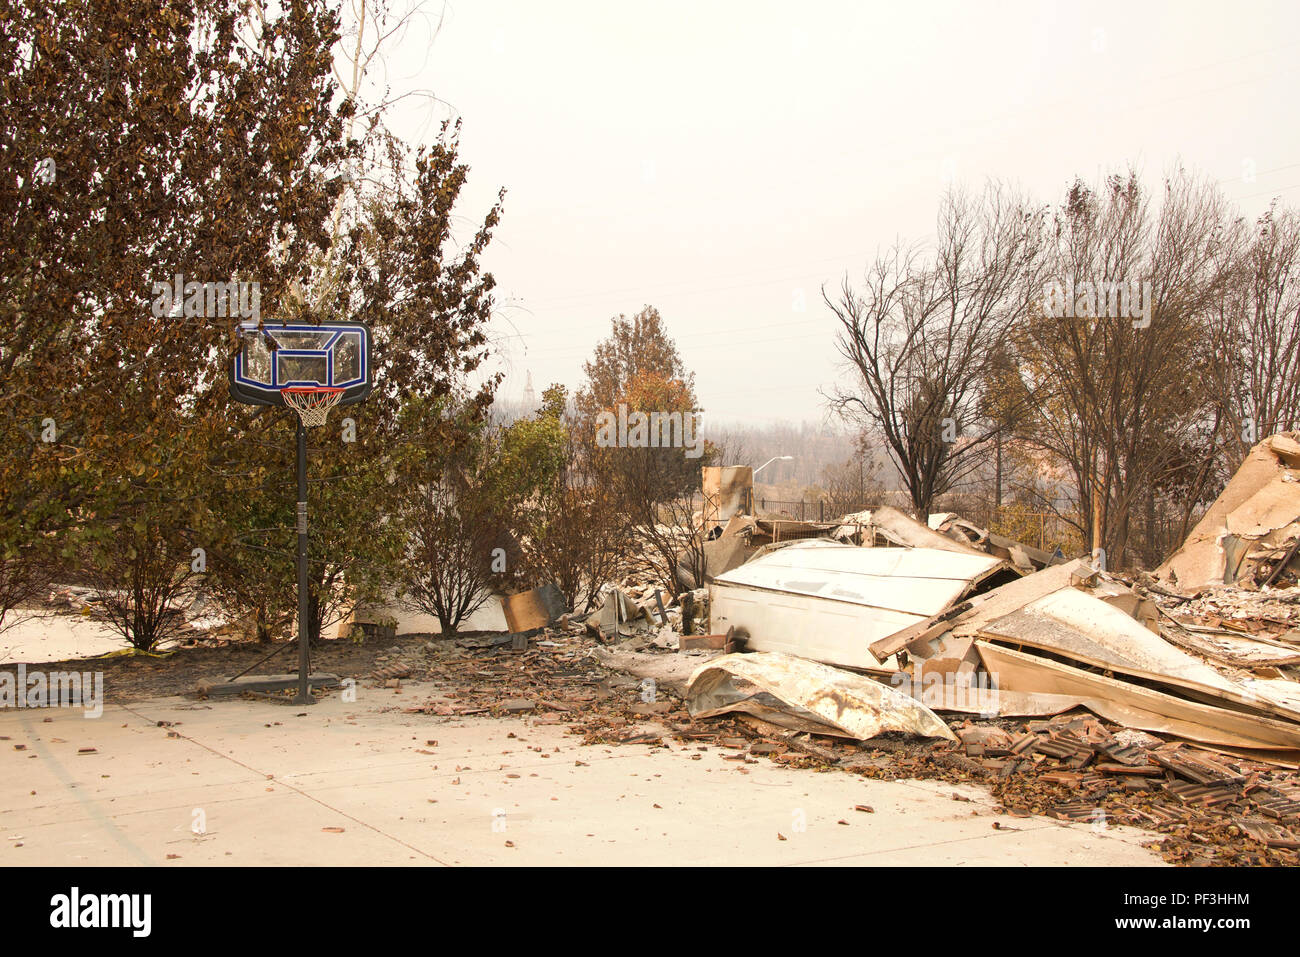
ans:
(310, 367)
(311, 402)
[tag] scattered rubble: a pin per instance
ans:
(74, 598)
(368, 623)
(533, 609)
(885, 647)
(632, 612)
(1204, 805)
(1024, 557)
(1251, 534)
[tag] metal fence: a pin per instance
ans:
(804, 511)
(1151, 539)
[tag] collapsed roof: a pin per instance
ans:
(961, 604)
(1069, 636)
(1252, 529)
(828, 601)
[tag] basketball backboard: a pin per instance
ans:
(329, 354)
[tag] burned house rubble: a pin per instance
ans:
(891, 647)
(1251, 534)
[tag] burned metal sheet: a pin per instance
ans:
(918, 581)
(1075, 625)
(1135, 706)
(807, 696)
(901, 529)
(984, 608)
(1027, 558)
(828, 601)
(1230, 648)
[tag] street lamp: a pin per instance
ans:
(775, 458)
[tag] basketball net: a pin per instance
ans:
(312, 403)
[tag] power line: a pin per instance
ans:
(1270, 192)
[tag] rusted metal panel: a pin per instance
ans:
(807, 696)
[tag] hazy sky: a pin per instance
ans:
(723, 160)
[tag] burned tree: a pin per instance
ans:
(919, 335)
(1256, 336)
(1119, 396)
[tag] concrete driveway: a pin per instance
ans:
(178, 782)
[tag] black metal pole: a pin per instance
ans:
(304, 644)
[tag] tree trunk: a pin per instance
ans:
(262, 624)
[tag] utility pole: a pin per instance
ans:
(997, 476)
(1097, 492)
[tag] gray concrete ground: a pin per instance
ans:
(360, 783)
